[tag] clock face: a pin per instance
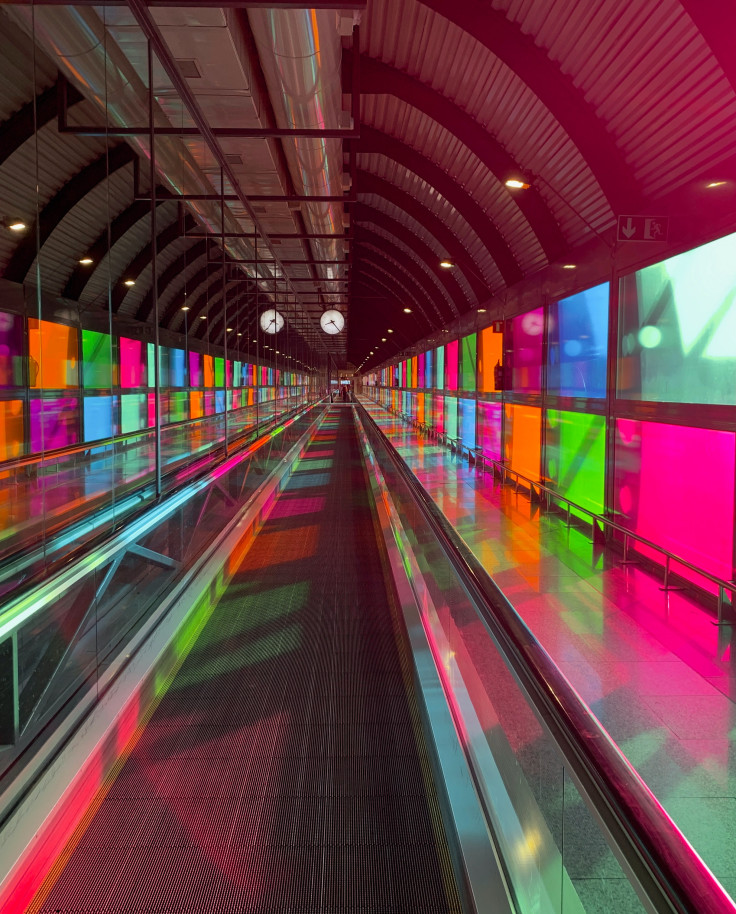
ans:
(271, 321)
(332, 321)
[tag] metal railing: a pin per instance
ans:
(598, 521)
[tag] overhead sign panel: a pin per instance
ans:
(643, 228)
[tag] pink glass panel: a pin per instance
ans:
(489, 428)
(132, 363)
(451, 365)
(54, 423)
(674, 485)
(525, 344)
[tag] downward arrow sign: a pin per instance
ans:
(629, 228)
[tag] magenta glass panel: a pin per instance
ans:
(490, 417)
(54, 423)
(195, 369)
(228, 373)
(524, 351)
(675, 486)
(451, 365)
(132, 363)
(11, 350)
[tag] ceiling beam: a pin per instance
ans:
(390, 249)
(565, 101)
(142, 260)
(380, 78)
(368, 183)
(375, 141)
(454, 291)
(69, 196)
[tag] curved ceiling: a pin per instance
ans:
(602, 108)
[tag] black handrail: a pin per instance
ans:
(668, 871)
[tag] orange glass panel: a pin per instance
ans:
(53, 351)
(196, 404)
(523, 439)
(490, 353)
(209, 371)
(11, 429)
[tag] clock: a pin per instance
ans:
(272, 321)
(332, 321)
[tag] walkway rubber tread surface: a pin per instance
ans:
(281, 771)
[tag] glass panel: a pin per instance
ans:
(467, 370)
(452, 352)
(659, 495)
(575, 454)
(466, 422)
(524, 351)
(578, 344)
(97, 367)
(100, 417)
(54, 423)
(522, 444)
(490, 417)
(677, 333)
(53, 362)
(11, 350)
(490, 354)
(11, 429)
(132, 363)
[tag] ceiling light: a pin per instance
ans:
(86, 261)
(390, 331)
(407, 310)
(481, 310)
(712, 184)
(240, 334)
(447, 264)
(185, 308)
(15, 225)
(569, 266)
(383, 339)
(517, 184)
(129, 282)
(203, 317)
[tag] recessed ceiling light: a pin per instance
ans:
(15, 225)
(203, 317)
(240, 334)
(569, 266)
(712, 184)
(517, 184)
(481, 310)
(185, 308)
(383, 339)
(390, 331)
(129, 282)
(447, 264)
(407, 310)
(86, 261)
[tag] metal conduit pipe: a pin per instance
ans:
(300, 54)
(78, 40)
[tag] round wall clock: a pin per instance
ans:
(271, 321)
(332, 321)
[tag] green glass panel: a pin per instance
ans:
(219, 372)
(97, 371)
(467, 362)
(575, 456)
(439, 372)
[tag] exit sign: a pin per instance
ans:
(643, 228)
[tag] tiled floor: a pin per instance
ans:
(659, 675)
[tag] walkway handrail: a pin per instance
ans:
(723, 584)
(667, 868)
